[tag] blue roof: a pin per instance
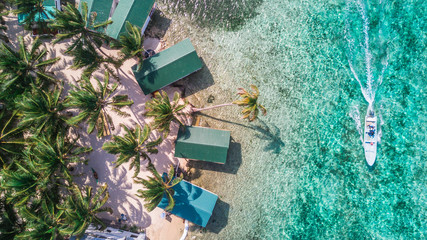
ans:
(192, 203)
(46, 15)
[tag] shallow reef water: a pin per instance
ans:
(300, 171)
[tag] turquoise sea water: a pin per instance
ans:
(300, 172)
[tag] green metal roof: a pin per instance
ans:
(202, 144)
(134, 11)
(192, 203)
(101, 7)
(167, 66)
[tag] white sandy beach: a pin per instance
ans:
(121, 187)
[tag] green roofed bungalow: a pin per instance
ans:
(102, 8)
(167, 66)
(201, 143)
(137, 12)
(192, 203)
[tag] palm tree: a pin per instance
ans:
(52, 155)
(42, 110)
(10, 224)
(90, 60)
(249, 101)
(23, 183)
(33, 10)
(156, 187)
(46, 222)
(9, 139)
(79, 26)
(164, 112)
(132, 147)
(250, 104)
(80, 208)
(3, 27)
(19, 69)
(131, 44)
(93, 104)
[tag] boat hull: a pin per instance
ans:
(370, 137)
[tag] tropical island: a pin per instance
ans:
(94, 138)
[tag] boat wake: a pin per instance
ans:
(355, 115)
(361, 62)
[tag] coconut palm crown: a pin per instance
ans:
(42, 110)
(131, 44)
(249, 102)
(81, 208)
(3, 26)
(165, 112)
(47, 222)
(156, 187)
(94, 104)
(52, 155)
(79, 26)
(33, 10)
(9, 139)
(87, 37)
(133, 146)
(19, 69)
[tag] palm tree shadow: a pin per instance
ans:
(271, 133)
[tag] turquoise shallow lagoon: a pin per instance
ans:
(300, 172)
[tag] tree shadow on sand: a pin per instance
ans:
(225, 14)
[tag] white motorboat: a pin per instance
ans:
(371, 136)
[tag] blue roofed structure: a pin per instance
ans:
(192, 203)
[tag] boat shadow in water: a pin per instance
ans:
(372, 168)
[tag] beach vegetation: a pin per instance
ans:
(164, 111)
(131, 44)
(86, 36)
(81, 208)
(11, 141)
(47, 222)
(134, 146)
(22, 68)
(53, 154)
(249, 102)
(95, 103)
(156, 187)
(10, 222)
(41, 110)
(3, 27)
(34, 12)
